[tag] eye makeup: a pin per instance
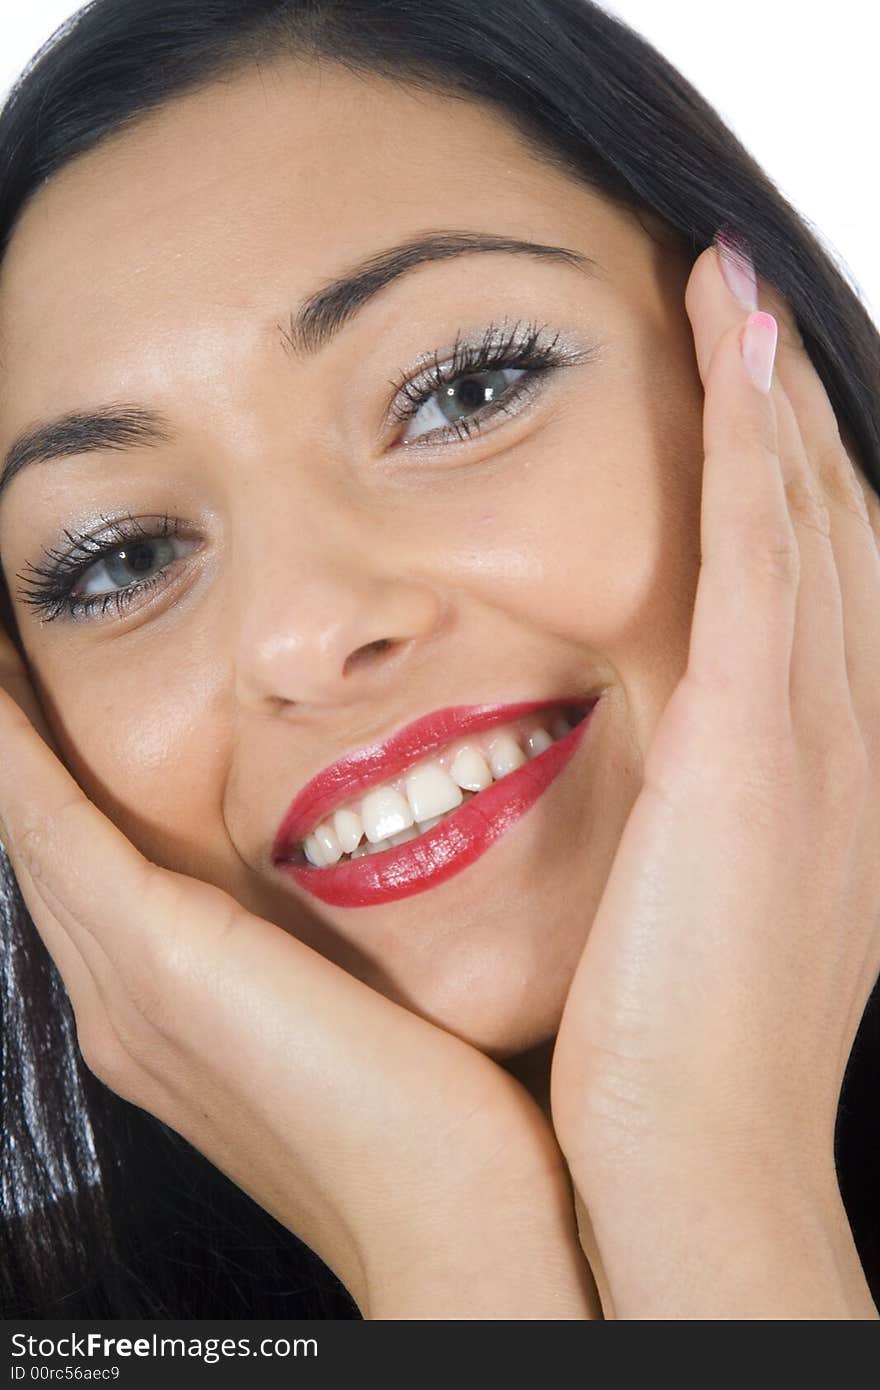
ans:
(52, 591)
(528, 351)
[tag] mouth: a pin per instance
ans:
(398, 818)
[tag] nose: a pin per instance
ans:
(331, 632)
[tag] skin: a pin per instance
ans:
(699, 1063)
(443, 573)
(194, 724)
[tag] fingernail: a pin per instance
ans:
(737, 268)
(759, 349)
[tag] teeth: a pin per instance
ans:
(560, 726)
(538, 741)
(349, 829)
(385, 812)
(313, 851)
(470, 769)
(405, 835)
(328, 843)
(387, 817)
(431, 792)
(505, 755)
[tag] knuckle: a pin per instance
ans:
(39, 843)
(775, 555)
(770, 551)
(102, 1054)
(152, 1012)
(123, 1046)
(158, 960)
(705, 682)
(29, 849)
(147, 974)
(149, 998)
(838, 479)
(755, 436)
(807, 505)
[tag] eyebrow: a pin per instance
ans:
(311, 326)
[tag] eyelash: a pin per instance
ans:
(518, 350)
(51, 591)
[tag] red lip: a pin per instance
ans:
(379, 762)
(440, 853)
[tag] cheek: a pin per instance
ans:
(146, 745)
(596, 542)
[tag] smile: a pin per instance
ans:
(434, 812)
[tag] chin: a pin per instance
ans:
(500, 986)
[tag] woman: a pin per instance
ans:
(383, 434)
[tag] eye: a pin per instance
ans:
(479, 383)
(461, 401)
(96, 574)
(128, 566)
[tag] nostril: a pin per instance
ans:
(370, 649)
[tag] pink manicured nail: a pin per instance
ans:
(759, 349)
(737, 269)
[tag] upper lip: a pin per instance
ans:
(380, 762)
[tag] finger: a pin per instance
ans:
(744, 612)
(76, 977)
(740, 642)
(76, 870)
(819, 681)
(124, 930)
(853, 538)
(14, 679)
(710, 302)
(75, 974)
(713, 308)
(110, 919)
(16, 687)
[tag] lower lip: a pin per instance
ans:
(443, 852)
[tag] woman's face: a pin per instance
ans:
(333, 578)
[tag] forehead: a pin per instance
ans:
(231, 203)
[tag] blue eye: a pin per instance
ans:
(477, 383)
(135, 558)
(128, 559)
(457, 398)
(464, 403)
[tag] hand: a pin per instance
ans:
(700, 1057)
(422, 1173)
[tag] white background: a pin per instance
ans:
(795, 82)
